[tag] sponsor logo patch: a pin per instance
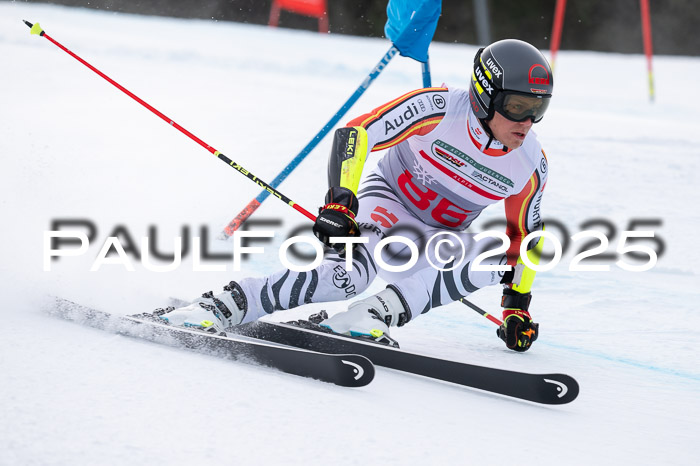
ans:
(442, 150)
(342, 281)
(538, 75)
(491, 65)
(439, 101)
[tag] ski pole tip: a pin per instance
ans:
(34, 28)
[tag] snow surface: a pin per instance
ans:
(75, 147)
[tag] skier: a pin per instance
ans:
(452, 153)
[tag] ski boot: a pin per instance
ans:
(211, 313)
(370, 318)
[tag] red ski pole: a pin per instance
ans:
(481, 311)
(36, 29)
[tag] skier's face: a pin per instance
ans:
(510, 133)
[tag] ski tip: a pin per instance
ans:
(560, 388)
(361, 370)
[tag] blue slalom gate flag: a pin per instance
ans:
(411, 25)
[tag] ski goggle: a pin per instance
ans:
(517, 106)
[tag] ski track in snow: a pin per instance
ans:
(75, 147)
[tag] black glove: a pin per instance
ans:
(518, 330)
(337, 217)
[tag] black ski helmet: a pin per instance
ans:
(508, 65)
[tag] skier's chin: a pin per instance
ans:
(518, 137)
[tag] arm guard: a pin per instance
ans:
(348, 155)
(523, 276)
(523, 216)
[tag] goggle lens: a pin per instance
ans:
(520, 107)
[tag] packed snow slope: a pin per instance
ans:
(74, 147)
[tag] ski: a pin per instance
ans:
(347, 370)
(539, 388)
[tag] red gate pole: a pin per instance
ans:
(556, 30)
(646, 34)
